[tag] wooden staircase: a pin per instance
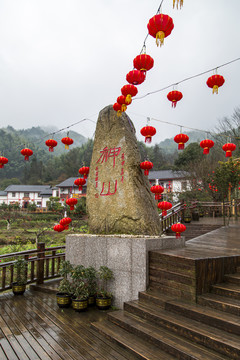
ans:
(195, 229)
(190, 311)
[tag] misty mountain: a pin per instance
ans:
(169, 146)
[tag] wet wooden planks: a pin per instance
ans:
(33, 327)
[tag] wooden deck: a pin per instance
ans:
(33, 327)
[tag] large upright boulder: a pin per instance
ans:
(119, 200)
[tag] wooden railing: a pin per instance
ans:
(43, 264)
(174, 215)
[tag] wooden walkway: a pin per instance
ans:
(33, 327)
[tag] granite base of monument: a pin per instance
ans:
(125, 255)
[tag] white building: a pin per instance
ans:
(24, 194)
(3, 197)
(67, 189)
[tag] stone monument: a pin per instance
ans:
(119, 200)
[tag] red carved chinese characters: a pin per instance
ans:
(107, 153)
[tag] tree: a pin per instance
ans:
(54, 205)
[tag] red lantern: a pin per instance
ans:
(58, 228)
(143, 62)
(118, 108)
(164, 206)
(67, 141)
(3, 161)
(229, 147)
(71, 202)
(84, 171)
(206, 145)
(174, 96)
(178, 229)
(123, 102)
(160, 26)
(26, 152)
(80, 182)
(157, 190)
(181, 139)
(215, 82)
(51, 144)
(146, 166)
(148, 132)
(129, 91)
(179, 2)
(65, 222)
(135, 77)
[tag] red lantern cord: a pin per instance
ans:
(174, 96)
(148, 131)
(164, 206)
(143, 62)
(3, 161)
(146, 166)
(157, 190)
(160, 26)
(67, 141)
(129, 91)
(135, 77)
(181, 139)
(26, 152)
(84, 171)
(71, 202)
(215, 82)
(206, 145)
(80, 182)
(229, 147)
(178, 229)
(51, 144)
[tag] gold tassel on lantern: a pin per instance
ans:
(178, 1)
(66, 147)
(215, 89)
(128, 99)
(123, 108)
(119, 113)
(160, 38)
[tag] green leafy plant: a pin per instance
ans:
(65, 285)
(104, 275)
(79, 286)
(91, 277)
(20, 266)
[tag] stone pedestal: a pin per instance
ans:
(125, 255)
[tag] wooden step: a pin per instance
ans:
(232, 278)
(227, 289)
(189, 293)
(171, 343)
(223, 303)
(204, 315)
(213, 338)
(154, 296)
(130, 342)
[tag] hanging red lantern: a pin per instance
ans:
(71, 202)
(206, 145)
(214, 82)
(164, 206)
(129, 91)
(3, 161)
(67, 141)
(178, 2)
(160, 26)
(65, 222)
(146, 166)
(148, 131)
(143, 62)
(123, 102)
(135, 77)
(118, 108)
(229, 147)
(157, 190)
(26, 152)
(181, 139)
(80, 182)
(178, 229)
(84, 171)
(174, 96)
(58, 228)
(51, 144)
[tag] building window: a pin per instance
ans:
(13, 194)
(184, 185)
(26, 194)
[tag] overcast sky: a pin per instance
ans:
(63, 60)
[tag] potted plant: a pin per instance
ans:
(187, 217)
(19, 286)
(80, 291)
(64, 290)
(91, 276)
(104, 298)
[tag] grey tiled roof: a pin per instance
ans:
(3, 193)
(166, 175)
(69, 182)
(27, 188)
(47, 192)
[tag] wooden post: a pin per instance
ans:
(40, 262)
